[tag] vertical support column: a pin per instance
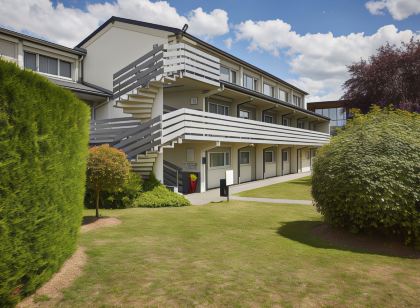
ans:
(203, 171)
(235, 160)
(157, 108)
(259, 163)
(158, 167)
(293, 160)
(279, 159)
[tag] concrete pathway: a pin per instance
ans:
(212, 195)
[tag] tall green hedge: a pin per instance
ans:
(43, 148)
(368, 177)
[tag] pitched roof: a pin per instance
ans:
(179, 31)
(76, 50)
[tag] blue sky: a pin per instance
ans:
(306, 42)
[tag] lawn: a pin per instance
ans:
(298, 189)
(236, 254)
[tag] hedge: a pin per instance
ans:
(43, 148)
(368, 177)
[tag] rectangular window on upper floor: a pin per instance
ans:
(300, 124)
(297, 101)
(250, 82)
(47, 65)
(227, 74)
(283, 96)
(268, 90)
(268, 119)
(218, 108)
(286, 122)
(244, 114)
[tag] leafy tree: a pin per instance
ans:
(391, 77)
(107, 170)
(368, 177)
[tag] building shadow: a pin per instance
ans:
(320, 235)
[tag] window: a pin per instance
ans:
(285, 156)
(297, 101)
(227, 74)
(268, 119)
(65, 69)
(268, 90)
(190, 155)
(308, 155)
(269, 156)
(250, 82)
(29, 60)
(48, 65)
(219, 159)
(283, 96)
(300, 124)
(244, 157)
(244, 114)
(218, 108)
(286, 122)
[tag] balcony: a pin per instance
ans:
(198, 125)
(167, 61)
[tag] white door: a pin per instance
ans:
(270, 167)
(218, 163)
(286, 161)
(245, 171)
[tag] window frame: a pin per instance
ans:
(268, 116)
(286, 95)
(226, 159)
(231, 74)
(254, 82)
(271, 89)
(272, 157)
(245, 111)
(300, 124)
(59, 60)
(240, 157)
(226, 108)
(287, 156)
(287, 120)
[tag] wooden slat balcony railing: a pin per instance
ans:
(198, 125)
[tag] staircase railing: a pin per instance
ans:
(139, 72)
(127, 134)
(172, 175)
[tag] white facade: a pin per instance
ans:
(215, 111)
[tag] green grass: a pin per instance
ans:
(241, 254)
(299, 189)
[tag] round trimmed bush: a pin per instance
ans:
(368, 177)
(43, 147)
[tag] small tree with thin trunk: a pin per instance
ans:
(107, 170)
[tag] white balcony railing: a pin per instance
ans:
(191, 62)
(198, 125)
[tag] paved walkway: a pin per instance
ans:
(213, 194)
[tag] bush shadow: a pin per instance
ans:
(320, 235)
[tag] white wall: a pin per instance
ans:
(116, 46)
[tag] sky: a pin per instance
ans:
(305, 42)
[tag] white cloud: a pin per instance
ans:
(228, 42)
(68, 26)
(399, 9)
(319, 59)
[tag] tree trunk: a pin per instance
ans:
(97, 203)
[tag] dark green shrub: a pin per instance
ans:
(120, 199)
(43, 148)
(151, 183)
(160, 196)
(368, 177)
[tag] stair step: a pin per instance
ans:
(137, 110)
(139, 116)
(143, 164)
(148, 90)
(146, 100)
(142, 95)
(146, 160)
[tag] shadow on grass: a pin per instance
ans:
(303, 181)
(320, 235)
(90, 219)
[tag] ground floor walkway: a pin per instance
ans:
(213, 195)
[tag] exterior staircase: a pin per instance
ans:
(140, 103)
(143, 164)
